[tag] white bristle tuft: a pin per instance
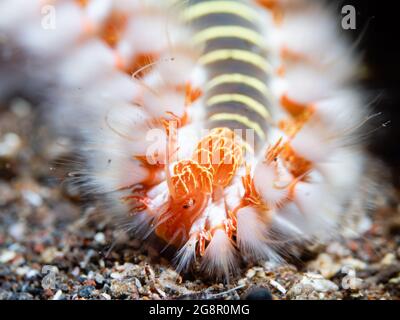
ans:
(220, 257)
(252, 232)
(186, 255)
(270, 183)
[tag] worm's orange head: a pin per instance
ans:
(195, 182)
(221, 152)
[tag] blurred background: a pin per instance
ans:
(378, 26)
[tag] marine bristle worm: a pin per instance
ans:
(228, 128)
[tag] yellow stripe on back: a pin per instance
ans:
(229, 32)
(234, 97)
(238, 55)
(214, 7)
(240, 79)
(241, 119)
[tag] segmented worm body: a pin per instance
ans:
(227, 128)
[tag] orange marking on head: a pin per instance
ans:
(193, 182)
(191, 185)
(190, 178)
(221, 152)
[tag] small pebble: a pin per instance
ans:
(17, 231)
(7, 193)
(58, 295)
(395, 281)
(102, 264)
(32, 198)
(86, 291)
(354, 264)
(242, 282)
(106, 296)
(7, 256)
(278, 286)
(337, 249)
(100, 238)
(250, 274)
(10, 144)
(32, 274)
(116, 275)
(137, 283)
(325, 265)
(49, 254)
(122, 288)
(317, 282)
(76, 272)
(258, 293)
(20, 107)
(388, 259)
(99, 278)
(22, 271)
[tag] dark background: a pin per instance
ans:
(380, 20)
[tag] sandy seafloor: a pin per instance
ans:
(55, 245)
